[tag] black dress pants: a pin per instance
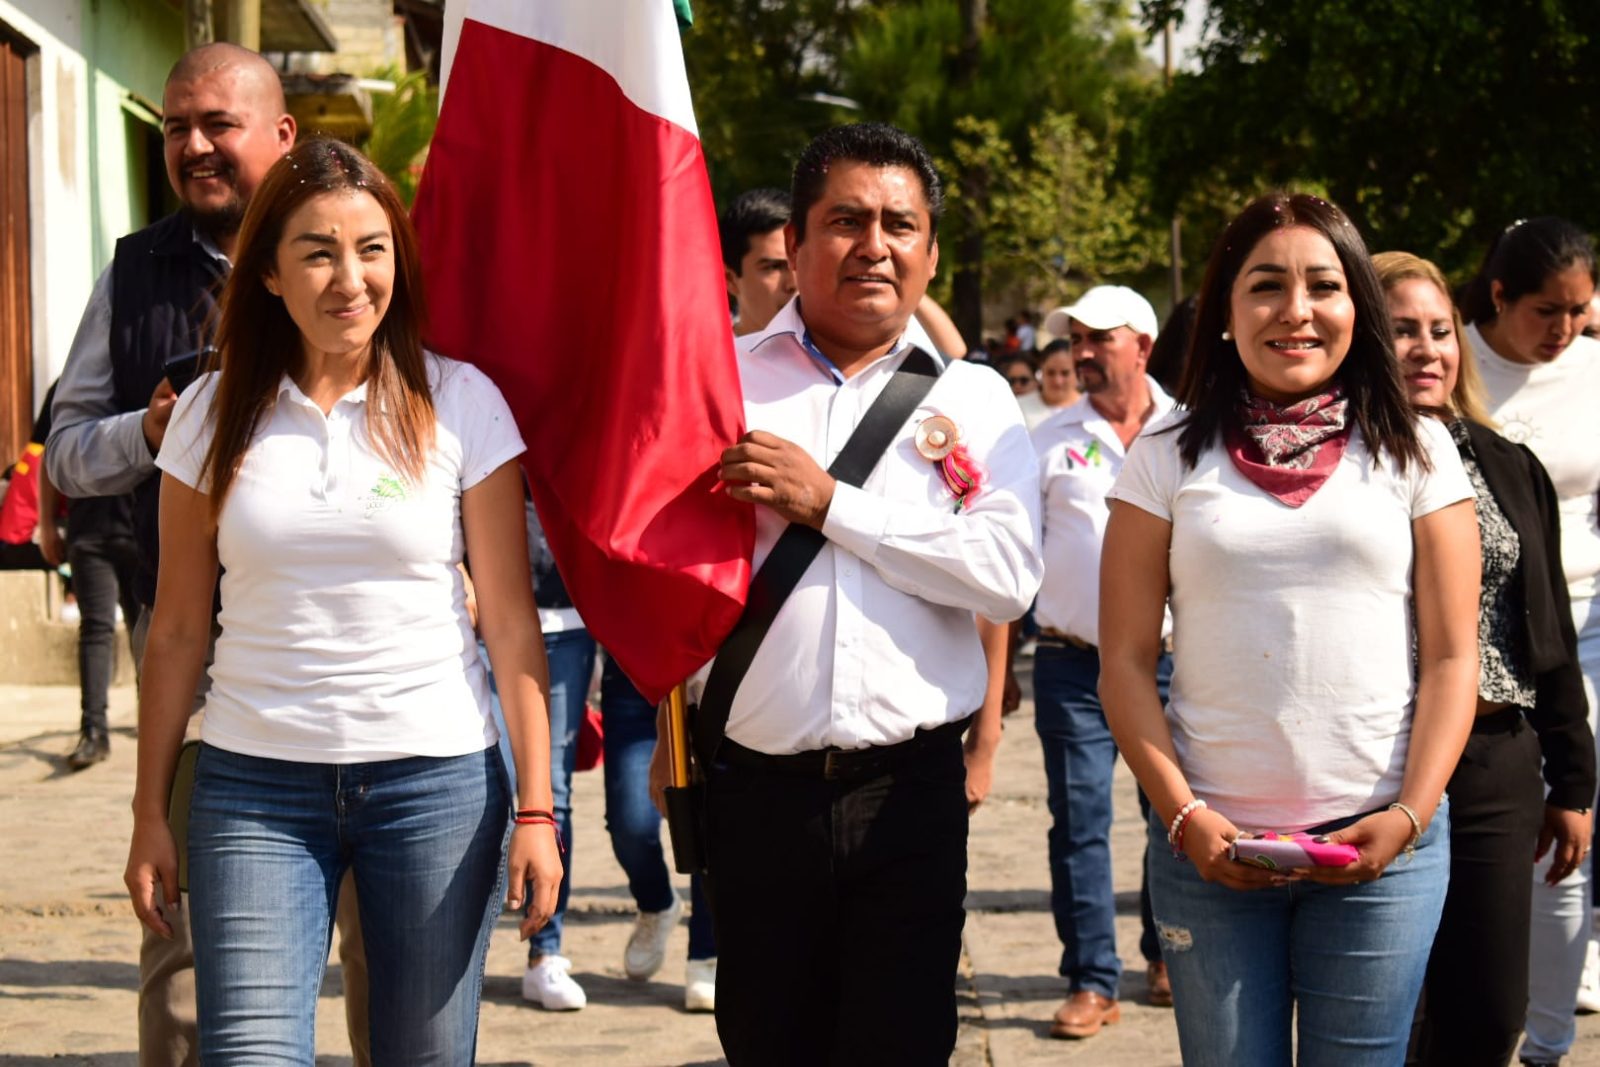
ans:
(1475, 997)
(838, 908)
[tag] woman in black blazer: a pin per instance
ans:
(1501, 817)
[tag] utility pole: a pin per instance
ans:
(241, 23)
(198, 28)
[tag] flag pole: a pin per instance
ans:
(678, 735)
(683, 799)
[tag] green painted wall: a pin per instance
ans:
(129, 45)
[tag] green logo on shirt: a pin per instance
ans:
(386, 492)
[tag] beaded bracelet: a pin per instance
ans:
(1180, 821)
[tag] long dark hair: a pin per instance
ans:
(1214, 375)
(1521, 259)
(258, 343)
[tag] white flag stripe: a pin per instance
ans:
(634, 41)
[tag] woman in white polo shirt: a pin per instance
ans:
(1527, 308)
(338, 474)
(1320, 552)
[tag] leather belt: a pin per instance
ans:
(840, 764)
(1050, 636)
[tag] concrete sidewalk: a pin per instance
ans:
(69, 942)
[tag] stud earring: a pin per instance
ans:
(1226, 336)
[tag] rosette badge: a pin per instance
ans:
(939, 442)
(936, 438)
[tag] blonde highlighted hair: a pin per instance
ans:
(1467, 398)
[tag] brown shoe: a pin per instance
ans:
(1084, 1013)
(1159, 985)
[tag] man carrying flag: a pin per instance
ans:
(836, 809)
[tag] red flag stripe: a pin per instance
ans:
(570, 250)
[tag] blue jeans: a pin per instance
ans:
(631, 818)
(571, 657)
(632, 821)
(1079, 758)
(1350, 959)
(269, 842)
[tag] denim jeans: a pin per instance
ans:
(1349, 958)
(631, 818)
(102, 578)
(571, 657)
(269, 843)
(632, 822)
(1079, 758)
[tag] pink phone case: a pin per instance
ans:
(1282, 852)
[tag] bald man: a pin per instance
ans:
(225, 124)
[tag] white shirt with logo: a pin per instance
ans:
(345, 636)
(1080, 456)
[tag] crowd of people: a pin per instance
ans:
(1318, 559)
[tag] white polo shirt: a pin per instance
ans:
(1080, 456)
(878, 639)
(345, 636)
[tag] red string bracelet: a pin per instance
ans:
(543, 820)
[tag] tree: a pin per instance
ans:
(762, 74)
(402, 127)
(1434, 123)
(976, 80)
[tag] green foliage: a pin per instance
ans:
(1060, 220)
(755, 68)
(402, 126)
(1432, 122)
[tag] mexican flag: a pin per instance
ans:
(569, 247)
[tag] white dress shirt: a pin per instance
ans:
(1080, 456)
(878, 639)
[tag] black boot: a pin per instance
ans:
(93, 747)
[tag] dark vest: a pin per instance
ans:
(164, 290)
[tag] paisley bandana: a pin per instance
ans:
(1288, 451)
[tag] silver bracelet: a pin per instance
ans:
(1416, 826)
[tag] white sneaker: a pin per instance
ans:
(700, 985)
(548, 985)
(647, 945)
(1589, 984)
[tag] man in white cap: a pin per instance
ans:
(1081, 449)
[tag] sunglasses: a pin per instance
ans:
(1021, 379)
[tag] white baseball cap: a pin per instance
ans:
(1105, 307)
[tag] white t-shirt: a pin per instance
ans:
(1550, 407)
(345, 636)
(1293, 680)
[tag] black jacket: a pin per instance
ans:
(1560, 714)
(163, 303)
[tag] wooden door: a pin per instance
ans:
(16, 301)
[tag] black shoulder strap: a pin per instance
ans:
(798, 545)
